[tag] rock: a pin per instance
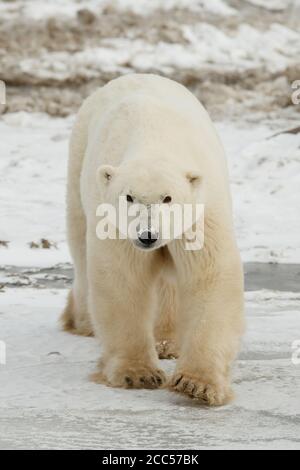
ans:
(86, 16)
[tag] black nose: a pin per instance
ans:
(147, 238)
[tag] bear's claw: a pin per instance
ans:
(207, 393)
(152, 378)
(137, 376)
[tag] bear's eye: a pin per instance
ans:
(167, 199)
(129, 198)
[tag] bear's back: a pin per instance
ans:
(166, 91)
(141, 90)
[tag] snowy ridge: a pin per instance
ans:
(238, 52)
(69, 48)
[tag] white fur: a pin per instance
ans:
(149, 136)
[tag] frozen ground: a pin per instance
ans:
(46, 400)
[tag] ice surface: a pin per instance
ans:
(47, 401)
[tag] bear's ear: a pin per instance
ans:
(104, 174)
(194, 178)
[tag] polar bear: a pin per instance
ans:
(147, 138)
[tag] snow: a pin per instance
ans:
(264, 173)
(32, 188)
(275, 5)
(144, 7)
(39, 10)
(244, 47)
(205, 46)
(47, 401)
(236, 51)
(265, 181)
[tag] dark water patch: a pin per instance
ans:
(271, 276)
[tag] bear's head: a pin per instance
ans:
(151, 200)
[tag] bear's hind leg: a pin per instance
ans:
(71, 321)
(165, 324)
(75, 317)
(67, 317)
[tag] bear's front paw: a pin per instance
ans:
(206, 392)
(132, 375)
